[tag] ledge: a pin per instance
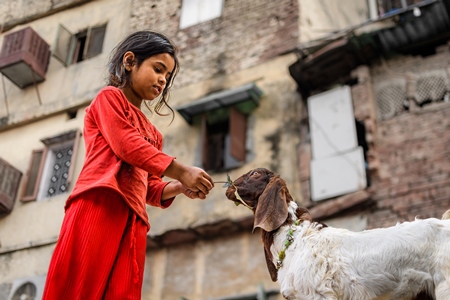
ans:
(331, 207)
(203, 232)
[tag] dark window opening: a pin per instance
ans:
(224, 139)
(72, 114)
(362, 142)
(79, 47)
(216, 145)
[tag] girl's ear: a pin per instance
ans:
(272, 211)
(128, 60)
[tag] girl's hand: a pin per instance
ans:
(174, 188)
(193, 178)
(193, 195)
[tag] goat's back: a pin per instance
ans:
(368, 263)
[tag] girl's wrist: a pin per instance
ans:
(172, 189)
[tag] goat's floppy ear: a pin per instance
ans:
(272, 270)
(272, 210)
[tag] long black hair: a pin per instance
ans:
(143, 44)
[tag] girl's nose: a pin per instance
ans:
(162, 80)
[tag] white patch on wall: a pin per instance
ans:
(338, 175)
(198, 11)
(332, 122)
(337, 164)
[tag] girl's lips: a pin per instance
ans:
(157, 89)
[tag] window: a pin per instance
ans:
(73, 48)
(51, 168)
(197, 11)
(9, 183)
(224, 140)
(338, 150)
(222, 117)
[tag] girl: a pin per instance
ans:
(101, 249)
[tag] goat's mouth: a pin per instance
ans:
(230, 193)
(233, 195)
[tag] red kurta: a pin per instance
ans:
(100, 252)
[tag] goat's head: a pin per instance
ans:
(267, 195)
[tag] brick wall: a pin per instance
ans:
(414, 177)
(247, 34)
(413, 174)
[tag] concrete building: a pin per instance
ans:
(255, 76)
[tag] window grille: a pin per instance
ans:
(431, 87)
(390, 98)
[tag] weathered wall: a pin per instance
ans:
(71, 86)
(247, 33)
(228, 266)
(413, 149)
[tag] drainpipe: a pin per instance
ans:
(373, 9)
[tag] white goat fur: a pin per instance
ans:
(404, 259)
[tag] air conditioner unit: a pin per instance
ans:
(29, 288)
(24, 57)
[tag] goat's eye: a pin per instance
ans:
(255, 173)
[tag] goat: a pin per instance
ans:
(313, 261)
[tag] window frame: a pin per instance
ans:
(235, 149)
(188, 9)
(49, 144)
(67, 46)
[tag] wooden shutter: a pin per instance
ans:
(34, 173)
(238, 129)
(9, 183)
(205, 150)
(94, 41)
(63, 49)
(74, 155)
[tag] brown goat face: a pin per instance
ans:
(250, 186)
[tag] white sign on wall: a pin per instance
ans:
(338, 175)
(332, 122)
(337, 164)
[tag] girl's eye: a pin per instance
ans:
(158, 70)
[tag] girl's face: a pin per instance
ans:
(148, 80)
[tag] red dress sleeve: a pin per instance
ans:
(109, 113)
(154, 192)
